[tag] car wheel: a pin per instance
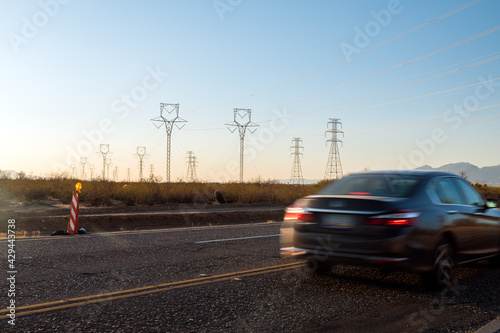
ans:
(495, 261)
(440, 276)
(319, 267)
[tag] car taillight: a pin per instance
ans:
(396, 218)
(293, 213)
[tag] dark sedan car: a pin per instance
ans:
(421, 221)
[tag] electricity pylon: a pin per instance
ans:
(83, 161)
(151, 172)
(91, 167)
(73, 167)
(296, 175)
(334, 166)
(108, 163)
(115, 174)
(105, 153)
(192, 162)
(168, 110)
(242, 127)
(141, 154)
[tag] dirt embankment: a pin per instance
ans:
(44, 218)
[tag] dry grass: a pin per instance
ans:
(99, 193)
(487, 191)
(102, 193)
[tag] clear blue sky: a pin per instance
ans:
(404, 77)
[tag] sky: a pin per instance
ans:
(412, 82)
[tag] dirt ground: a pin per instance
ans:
(45, 217)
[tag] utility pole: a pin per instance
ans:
(108, 163)
(242, 125)
(128, 175)
(172, 112)
(296, 175)
(105, 153)
(191, 170)
(334, 166)
(141, 154)
(91, 166)
(83, 161)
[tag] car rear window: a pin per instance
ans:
(373, 185)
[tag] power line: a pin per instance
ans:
(391, 69)
(242, 127)
(445, 48)
(395, 88)
(439, 18)
(435, 124)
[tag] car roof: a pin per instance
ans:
(419, 173)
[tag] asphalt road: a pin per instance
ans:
(207, 279)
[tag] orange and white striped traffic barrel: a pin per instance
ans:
(75, 205)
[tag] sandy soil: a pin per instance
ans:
(45, 217)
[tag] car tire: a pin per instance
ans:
(319, 267)
(440, 276)
(495, 261)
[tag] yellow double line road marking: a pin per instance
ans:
(86, 300)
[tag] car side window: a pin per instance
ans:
(471, 196)
(447, 191)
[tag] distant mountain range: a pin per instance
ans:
(487, 175)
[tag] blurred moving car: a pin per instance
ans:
(421, 221)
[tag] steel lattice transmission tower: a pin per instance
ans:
(91, 167)
(108, 163)
(115, 174)
(141, 154)
(83, 161)
(192, 163)
(73, 167)
(105, 153)
(241, 115)
(151, 172)
(296, 175)
(334, 166)
(172, 112)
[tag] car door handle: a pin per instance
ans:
(452, 212)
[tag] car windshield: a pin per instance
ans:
(373, 185)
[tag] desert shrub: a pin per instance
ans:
(487, 191)
(99, 193)
(96, 193)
